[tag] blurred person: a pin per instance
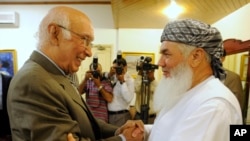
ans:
(123, 92)
(153, 84)
(98, 92)
(43, 103)
(233, 82)
(191, 102)
(4, 67)
(5, 133)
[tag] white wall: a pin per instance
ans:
(23, 37)
(236, 26)
(141, 41)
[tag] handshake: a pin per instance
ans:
(132, 130)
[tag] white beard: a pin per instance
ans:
(171, 89)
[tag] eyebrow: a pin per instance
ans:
(164, 51)
(86, 35)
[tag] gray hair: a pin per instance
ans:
(187, 49)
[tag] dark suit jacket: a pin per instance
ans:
(44, 106)
(4, 119)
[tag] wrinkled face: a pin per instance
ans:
(74, 50)
(170, 57)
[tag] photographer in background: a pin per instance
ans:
(153, 84)
(123, 92)
(98, 91)
(145, 84)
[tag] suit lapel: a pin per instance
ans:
(58, 76)
(65, 83)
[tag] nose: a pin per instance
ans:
(88, 51)
(161, 61)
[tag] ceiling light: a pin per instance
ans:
(173, 10)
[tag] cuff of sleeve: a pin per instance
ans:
(122, 137)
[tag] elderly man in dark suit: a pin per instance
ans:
(5, 134)
(43, 103)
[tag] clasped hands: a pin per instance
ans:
(132, 130)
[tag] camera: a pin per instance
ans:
(144, 64)
(94, 67)
(119, 67)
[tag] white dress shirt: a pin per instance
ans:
(122, 94)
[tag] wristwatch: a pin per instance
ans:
(100, 87)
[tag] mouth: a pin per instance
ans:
(80, 59)
(166, 73)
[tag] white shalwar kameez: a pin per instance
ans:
(205, 113)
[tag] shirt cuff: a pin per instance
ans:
(122, 137)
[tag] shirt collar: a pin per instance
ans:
(52, 62)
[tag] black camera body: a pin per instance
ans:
(94, 67)
(119, 70)
(119, 67)
(95, 74)
(145, 65)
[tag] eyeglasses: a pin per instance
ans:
(86, 40)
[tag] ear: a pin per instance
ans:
(53, 31)
(196, 57)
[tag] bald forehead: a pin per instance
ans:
(78, 20)
(67, 10)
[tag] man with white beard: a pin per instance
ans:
(192, 103)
